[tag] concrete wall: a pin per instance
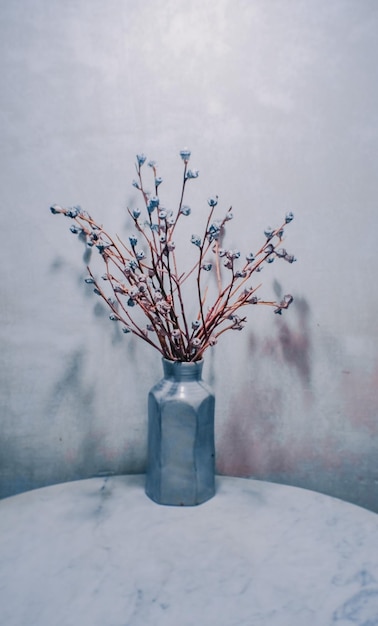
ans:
(278, 102)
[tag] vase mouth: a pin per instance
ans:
(182, 370)
(164, 359)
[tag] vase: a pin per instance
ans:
(181, 451)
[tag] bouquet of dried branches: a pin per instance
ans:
(142, 275)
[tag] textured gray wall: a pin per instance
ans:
(278, 102)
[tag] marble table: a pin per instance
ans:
(97, 552)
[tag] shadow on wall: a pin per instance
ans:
(310, 427)
(72, 396)
(59, 447)
(295, 345)
(87, 440)
(253, 441)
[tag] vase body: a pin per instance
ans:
(181, 452)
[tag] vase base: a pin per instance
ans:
(178, 501)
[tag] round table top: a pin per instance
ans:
(98, 552)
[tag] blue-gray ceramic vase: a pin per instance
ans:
(181, 453)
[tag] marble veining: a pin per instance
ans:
(98, 552)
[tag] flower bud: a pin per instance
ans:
(196, 240)
(289, 217)
(268, 232)
(206, 266)
(185, 210)
(192, 174)
(185, 155)
(141, 159)
(152, 203)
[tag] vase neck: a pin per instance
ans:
(182, 370)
